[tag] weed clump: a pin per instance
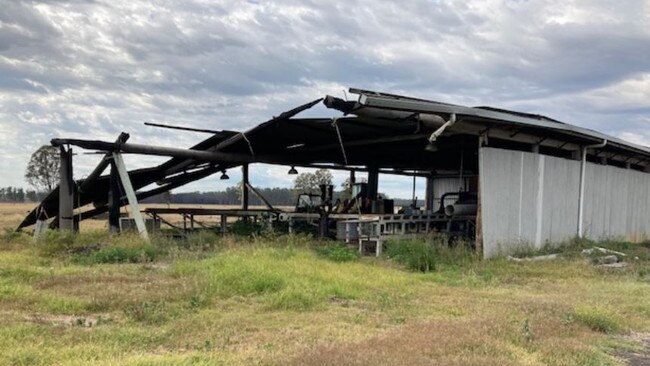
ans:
(145, 253)
(150, 312)
(292, 299)
(55, 242)
(203, 240)
(246, 228)
(337, 253)
(598, 319)
(416, 255)
(9, 235)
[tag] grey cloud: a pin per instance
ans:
(96, 68)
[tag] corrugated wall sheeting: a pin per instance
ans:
(530, 199)
(617, 203)
(527, 199)
(444, 185)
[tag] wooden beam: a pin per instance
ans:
(261, 197)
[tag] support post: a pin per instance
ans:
(66, 190)
(41, 224)
(373, 182)
(581, 193)
(428, 200)
(224, 223)
(130, 195)
(244, 187)
(114, 200)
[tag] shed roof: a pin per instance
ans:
(379, 129)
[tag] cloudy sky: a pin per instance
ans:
(91, 69)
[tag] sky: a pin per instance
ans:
(91, 69)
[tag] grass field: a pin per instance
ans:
(293, 300)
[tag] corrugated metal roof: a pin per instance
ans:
(416, 105)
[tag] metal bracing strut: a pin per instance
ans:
(130, 195)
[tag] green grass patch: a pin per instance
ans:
(598, 319)
(416, 255)
(293, 299)
(337, 252)
(145, 253)
(270, 298)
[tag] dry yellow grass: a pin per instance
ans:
(11, 214)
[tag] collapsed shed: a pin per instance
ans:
(512, 179)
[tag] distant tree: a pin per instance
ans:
(19, 195)
(43, 168)
(31, 196)
(309, 182)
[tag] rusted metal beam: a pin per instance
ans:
(199, 155)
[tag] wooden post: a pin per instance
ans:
(114, 200)
(244, 187)
(224, 221)
(66, 190)
(130, 195)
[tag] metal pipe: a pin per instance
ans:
(183, 128)
(434, 136)
(581, 197)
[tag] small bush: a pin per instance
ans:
(338, 253)
(598, 319)
(55, 242)
(417, 255)
(246, 228)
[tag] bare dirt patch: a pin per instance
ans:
(641, 357)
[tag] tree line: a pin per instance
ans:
(18, 194)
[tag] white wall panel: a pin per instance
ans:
(530, 200)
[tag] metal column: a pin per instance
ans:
(428, 196)
(114, 200)
(373, 182)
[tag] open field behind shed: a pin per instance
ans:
(291, 300)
